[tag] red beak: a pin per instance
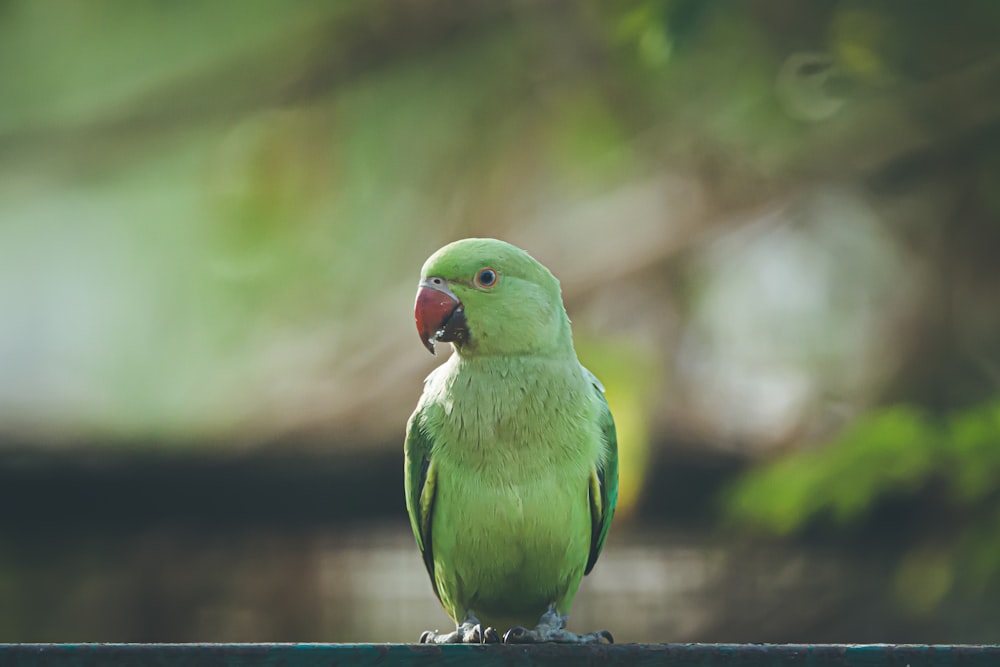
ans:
(438, 313)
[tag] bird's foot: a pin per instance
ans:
(552, 628)
(469, 631)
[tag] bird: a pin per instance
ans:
(511, 455)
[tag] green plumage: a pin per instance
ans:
(511, 454)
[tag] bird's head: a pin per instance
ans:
(488, 297)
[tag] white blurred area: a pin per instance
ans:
(795, 327)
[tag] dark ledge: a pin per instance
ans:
(673, 655)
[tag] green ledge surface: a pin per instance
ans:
(328, 655)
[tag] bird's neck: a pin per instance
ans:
(478, 354)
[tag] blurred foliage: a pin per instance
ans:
(231, 200)
(891, 454)
(767, 217)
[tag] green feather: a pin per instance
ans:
(605, 499)
(419, 488)
(511, 454)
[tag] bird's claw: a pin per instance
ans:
(517, 635)
(466, 633)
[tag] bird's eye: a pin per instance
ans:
(486, 278)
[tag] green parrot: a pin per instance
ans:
(511, 470)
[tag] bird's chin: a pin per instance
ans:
(454, 329)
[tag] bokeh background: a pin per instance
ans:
(777, 227)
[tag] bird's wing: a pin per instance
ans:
(603, 479)
(420, 487)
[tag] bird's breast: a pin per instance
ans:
(512, 524)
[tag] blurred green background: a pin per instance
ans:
(776, 224)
